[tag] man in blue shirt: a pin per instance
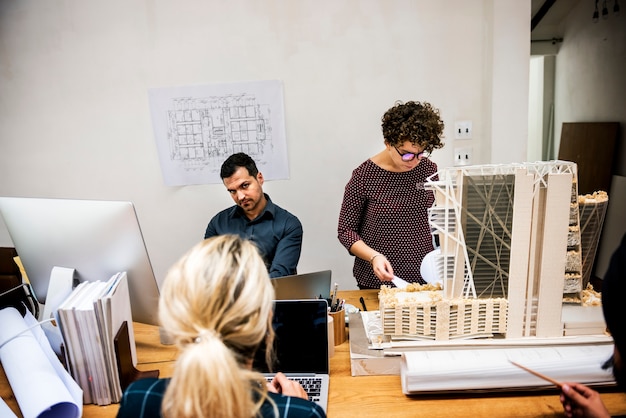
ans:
(276, 232)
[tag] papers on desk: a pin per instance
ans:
(448, 370)
(89, 319)
(39, 382)
(373, 330)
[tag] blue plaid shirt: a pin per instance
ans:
(142, 399)
(276, 232)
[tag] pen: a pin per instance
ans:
(542, 376)
(333, 296)
(363, 303)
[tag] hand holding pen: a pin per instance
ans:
(580, 400)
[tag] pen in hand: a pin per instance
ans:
(539, 375)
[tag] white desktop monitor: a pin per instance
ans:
(97, 238)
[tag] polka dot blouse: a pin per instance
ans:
(388, 211)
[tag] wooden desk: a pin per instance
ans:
(363, 396)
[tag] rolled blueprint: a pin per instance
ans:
(5, 411)
(42, 387)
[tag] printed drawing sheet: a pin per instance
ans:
(491, 369)
(197, 127)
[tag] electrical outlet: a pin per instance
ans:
(463, 156)
(463, 129)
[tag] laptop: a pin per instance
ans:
(301, 346)
(314, 285)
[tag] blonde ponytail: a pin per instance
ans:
(216, 302)
(207, 379)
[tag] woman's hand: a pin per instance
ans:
(581, 401)
(382, 268)
(281, 384)
(380, 265)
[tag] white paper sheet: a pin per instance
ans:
(197, 126)
(400, 283)
(42, 387)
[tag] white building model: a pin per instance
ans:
(509, 255)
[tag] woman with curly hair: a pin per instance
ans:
(383, 220)
(216, 302)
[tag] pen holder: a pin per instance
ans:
(339, 326)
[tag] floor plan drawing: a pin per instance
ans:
(196, 132)
(203, 130)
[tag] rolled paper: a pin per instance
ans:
(5, 411)
(40, 384)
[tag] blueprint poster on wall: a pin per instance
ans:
(197, 127)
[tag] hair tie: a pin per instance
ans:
(204, 335)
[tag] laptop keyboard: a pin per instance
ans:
(312, 385)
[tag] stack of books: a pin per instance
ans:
(90, 319)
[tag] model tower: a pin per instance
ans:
(503, 231)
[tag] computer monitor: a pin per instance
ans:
(97, 238)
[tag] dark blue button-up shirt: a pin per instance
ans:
(276, 232)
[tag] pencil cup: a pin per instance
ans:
(339, 325)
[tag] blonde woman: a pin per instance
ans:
(216, 302)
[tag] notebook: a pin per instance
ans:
(301, 346)
(314, 285)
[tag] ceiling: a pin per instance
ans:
(547, 15)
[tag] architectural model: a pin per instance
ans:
(592, 212)
(421, 312)
(510, 254)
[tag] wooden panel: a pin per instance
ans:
(591, 145)
(10, 275)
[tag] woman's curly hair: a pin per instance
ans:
(418, 123)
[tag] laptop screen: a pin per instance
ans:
(315, 285)
(301, 342)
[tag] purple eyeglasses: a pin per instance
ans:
(410, 156)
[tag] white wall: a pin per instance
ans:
(591, 87)
(535, 109)
(75, 122)
(590, 69)
(509, 82)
